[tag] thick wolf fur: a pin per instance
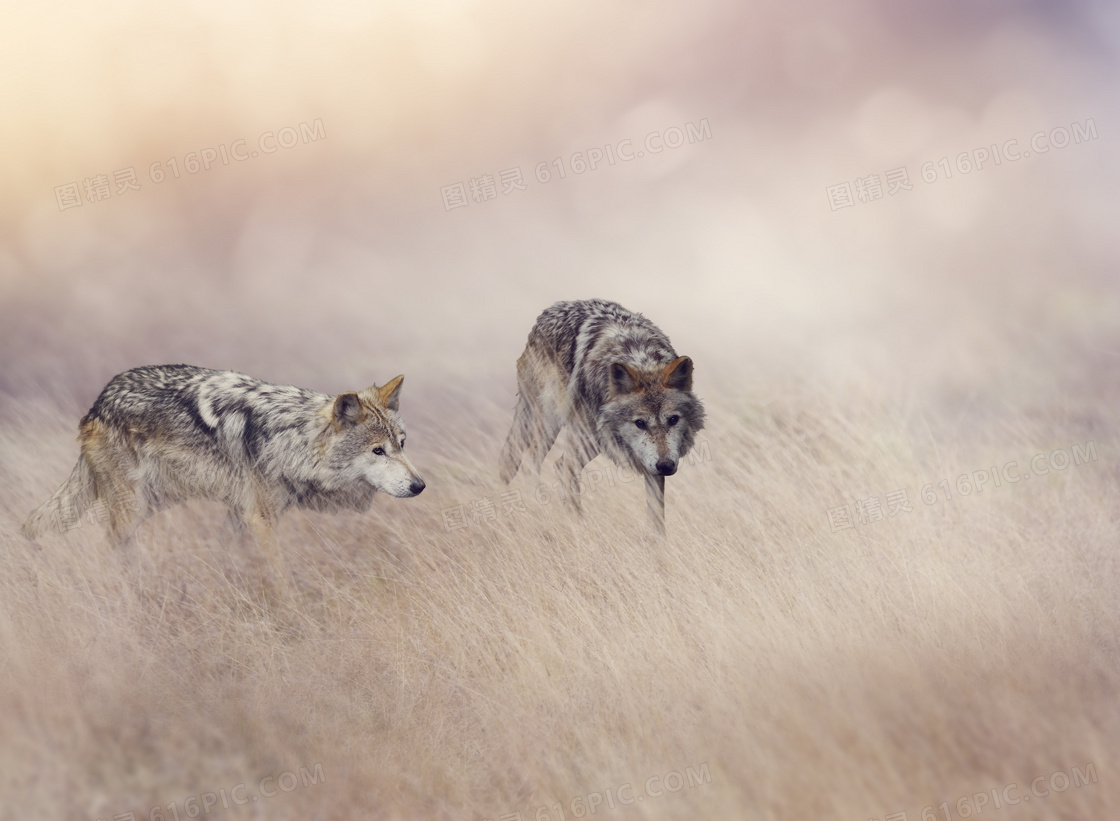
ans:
(611, 376)
(160, 435)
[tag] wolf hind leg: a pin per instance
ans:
(120, 482)
(518, 440)
(545, 430)
(655, 502)
(570, 465)
(120, 498)
(537, 420)
(534, 430)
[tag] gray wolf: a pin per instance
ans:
(611, 376)
(160, 435)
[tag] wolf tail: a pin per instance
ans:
(66, 505)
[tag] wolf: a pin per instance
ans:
(611, 376)
(159, 435)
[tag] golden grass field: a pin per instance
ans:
(955, 660)
(512, 664)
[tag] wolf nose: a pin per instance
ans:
(666, 467)
(416, 487)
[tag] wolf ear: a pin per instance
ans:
(389, 394)
(347, 409)
(623, 380)
(678, 374)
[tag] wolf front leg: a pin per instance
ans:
(262, 523)
(655, 502)
(261, 526)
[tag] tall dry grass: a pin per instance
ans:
(539, 658)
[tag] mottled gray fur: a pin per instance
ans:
(160, 435)
(611, 376)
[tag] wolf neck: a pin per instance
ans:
(300, 431)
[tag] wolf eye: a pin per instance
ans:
(673, 420)
(380, 451)
(641, 423)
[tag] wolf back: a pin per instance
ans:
(589, 335)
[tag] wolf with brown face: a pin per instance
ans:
(611, 376)
(160, 435)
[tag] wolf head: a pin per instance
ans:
(368, 440)
(650, 418)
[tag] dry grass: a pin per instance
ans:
(509, 665)
(469, 674)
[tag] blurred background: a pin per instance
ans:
(371, 241)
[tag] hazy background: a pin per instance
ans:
(842, 352)
(336, 260)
